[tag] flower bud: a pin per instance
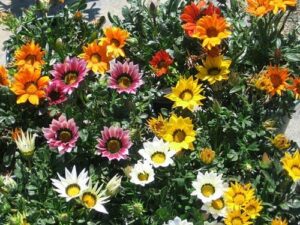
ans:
(207, 155)
(26, 143)
(113, 186)
(281, 142)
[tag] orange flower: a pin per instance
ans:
(211, 29)
(29, 85)
(30, 54)
(3, 77)
(160, 62)
(278, 77)
(296, 88)
(115, 39)
(95, 56)
(258, 7)
(281, 5)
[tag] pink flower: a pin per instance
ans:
(70, 73)
(55, 93)
(114, 144)
(125, 77)
(62, 134)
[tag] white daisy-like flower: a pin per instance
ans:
(142, 173)
(157, 153)
(213, 223)
(72, 186)
(216, 208)
(26, 143)
(208, 186)
(178, 221)
(94, 197)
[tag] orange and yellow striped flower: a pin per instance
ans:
(281, 5)
(278, 77)
(295, 87)
(4, 81)
(258, 7)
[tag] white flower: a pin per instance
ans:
(26, 143)
(113, 186)
(216, 208)
(94, 197)
(142, 174)
(71, 186)
(213, 223)
(208, 186)
(178, 221)
(157, 153)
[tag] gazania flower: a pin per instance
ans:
(281, 142)
(125, 77)
(70, 73)
(281, 5)
(262, 82)
(237, 218)
(295, 87)
(178, 221)
(115, 39)
(207, 155)
(253, 208)
(208, 186)
(278, 77)
(186, 94)
(114, 143)
(160, 62)
(95, 56)
(210, 10)
(72, 185)
(3, 77)
(238, 195)
(94, 197)
(291, 163)
(30, 54)
(157, 153)
(55, 93)
(29, 85)
(211, 30)
(279, 221)
(180, 133)
(214, 69)
(113, 186)
(157, 125)
(258, 7)
(142, 173)
(216, 208)
(25, 143)
(62, 134)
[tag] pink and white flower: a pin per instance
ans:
(62, 134)
(114, 143)
(70, 73)
(125, 77)
(55, 93)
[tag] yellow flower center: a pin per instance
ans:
(70, 77)
(143, 176)
(237, 221)
(239, 199)
(158, 157)
(115, 42)
(212, 32)
(179, 136)
(124, 80)
(214, 71)
(296, 170)
(251, 209)
(218, 204)
(30, 59)
(73, 190)
(96, 58)
(207, 190)
(30, 88)
(186, 95)
(65, 135)
(113, 145)
(89, 199)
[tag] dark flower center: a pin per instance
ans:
(124, 80)
(179, 135)
(212, 32)
(70, 77)
(214, 71)
(54, 95)
(161, 64)
(95, 58)
(115, 42)
(64, 135)
(114, 145)
(186, 95)
(30, 59)
(276, 80)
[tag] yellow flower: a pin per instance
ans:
(179, 133)
(252, 208)
(279, 221)
(281, 142)
(281, 5)
(115, 39)
(157, 125)
(263, 83)
(238, 195)
(291, 163)
(186, 94)
(214, 69)
(237, 218)
(207, 155)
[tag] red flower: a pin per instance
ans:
(210, 10)
(160, 62)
